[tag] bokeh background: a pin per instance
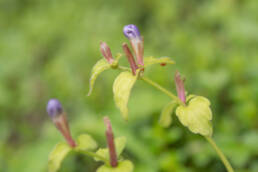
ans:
(48, 47)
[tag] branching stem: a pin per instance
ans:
(174, 97)
(162, 89)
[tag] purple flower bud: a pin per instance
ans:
(130, 58)
(180, 87)
(106, 52)
(55, 111)
(110, 142)
(132, 33)
(54, 108)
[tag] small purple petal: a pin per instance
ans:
(131, 32)
(54, 108)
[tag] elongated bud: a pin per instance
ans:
(56, 113)
(111, 143)
(106, 52)
(130, 58)
(132, 33)
(180, 87)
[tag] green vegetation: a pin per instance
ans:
(48, 48)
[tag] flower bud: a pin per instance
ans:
(54, 108)
(130, 58)
(110, 142)
(180, 87)
(106, 52)
(56, 113)
(132, 33)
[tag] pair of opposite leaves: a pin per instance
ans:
(196, 115)
(86, 144)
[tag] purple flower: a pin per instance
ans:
(132, 33)
(56, 113)
(54, 108)
(180, 87)
(106, 52)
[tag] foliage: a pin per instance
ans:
(47, 49)
(196, 115)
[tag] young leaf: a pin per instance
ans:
(86, 142)
(161, 60)
(99, 67)
(196, 115)
(165, 117)
(121, 89)
(120, 145)
(123, 166)
(57, 156)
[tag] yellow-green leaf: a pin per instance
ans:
(57, 156)
(165, 117)
(190, 97)
(99, 67)
(122, 89)
(161, 60)
(120, 143)
(86, 142)
(196, 115)
(123, 166)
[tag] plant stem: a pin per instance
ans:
(159, 87)
(174, 97)
(123, 68)
(220, 153)
(92, 154)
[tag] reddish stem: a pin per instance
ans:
(111, 143)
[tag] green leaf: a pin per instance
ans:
(98, 68)
(123, 166)
(120, 143)
(148, 61)
(188, 98)
(57, 156)
(86, 142)
(121, 89)
(196, 115)
(165, 117)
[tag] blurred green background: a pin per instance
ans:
(48, 47)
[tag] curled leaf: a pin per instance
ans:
(57, 156)
(120, 143)
(196, 115)
(98, 68)
(165, 117)
(148, 61)
(86, 142)
(123, 166)
(122, 89)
